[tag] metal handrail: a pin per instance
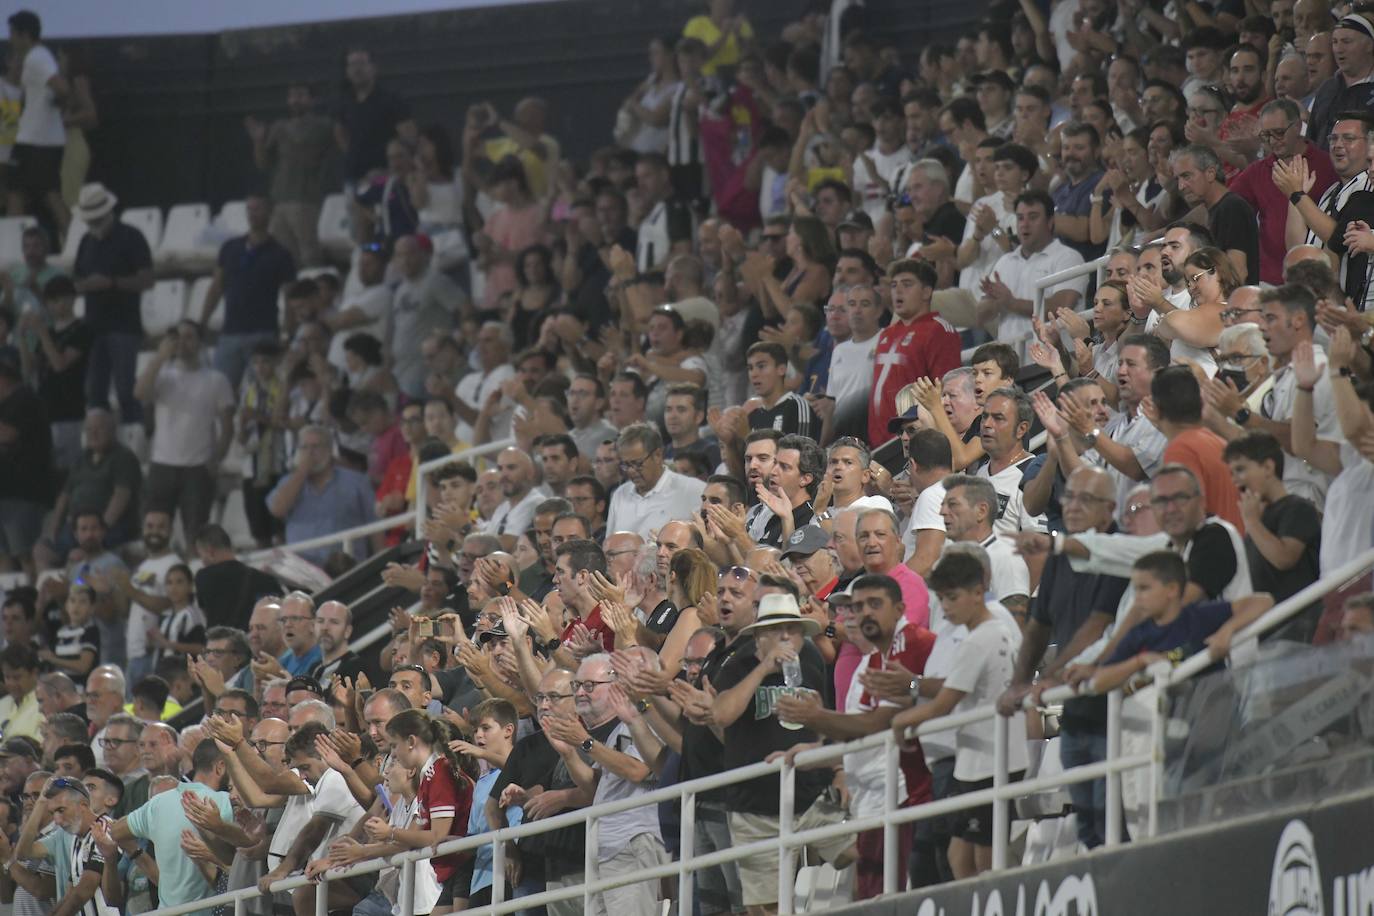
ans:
(421, 512)
(1098, 265)
(788, 840)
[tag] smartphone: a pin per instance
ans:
(425, 628)
(1235, 377)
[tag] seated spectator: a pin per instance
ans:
(319, 497)
(22, 284)
(652, 495)
(1229, 218)
(774, 406)
(20, 714)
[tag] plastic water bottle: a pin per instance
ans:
(791, 673)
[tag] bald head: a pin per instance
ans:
(517, 474)
(1244, 302)
(1297, 254)
(1089, 500)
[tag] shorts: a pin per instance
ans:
(974, 825)
(456, 887)
(38, 169)
(758, 873)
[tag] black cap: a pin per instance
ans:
(497, 631)
(856, 219)
(19, 747)
(805, 541)
(896, 423)
(305, 682)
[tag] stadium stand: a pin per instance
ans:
(881, 446)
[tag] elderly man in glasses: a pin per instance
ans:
(653, 495)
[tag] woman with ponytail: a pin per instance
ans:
(444, 797)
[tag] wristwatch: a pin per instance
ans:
(998, 233)
(1094, 433)
(829, 632)
(1295, 197)
(915, 687)
(1242, 416)
(587, 745)
(1367, 338)
(641, 705)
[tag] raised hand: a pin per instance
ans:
(1049, 415)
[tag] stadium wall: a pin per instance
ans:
(172, 107)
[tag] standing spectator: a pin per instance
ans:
(1007, 416)
(1073, 198)
(228, 587)
(141, 595)
(1176, 402)
(368, 118)
(37, 153)
(190, 401)
(1230, 219)
(58, 366)
(21, 285)
(113, 269)
(918, 344)
(970, 514)
(777, 407)
(492, 351)
(652, 495)
(388, 212)
(512, 226)
(1009, 291)
(425, 301)
(1352, 44)
(725, 33)
(1281, 134)
(294, 151)
(251, 272)
(319, 497)
(851, 362)
(665, 228)
(376, 423)
(26, 482)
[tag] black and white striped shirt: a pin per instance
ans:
(86, 858)
(684, 143)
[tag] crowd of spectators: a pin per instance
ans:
(773, 362)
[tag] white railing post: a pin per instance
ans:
(240, 906)
(1000, 826)
(1114, 811)
(687, 835)
(498, 871)
(322, 896)
(1156, 757)
(787, 855)
(405, 901)
(424, 470)
(892, 849)
(591, 864)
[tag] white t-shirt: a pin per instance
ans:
(513, 519)
(1348, 524)
(473, 389)
(989, 252)
(675, 497)
(40, 123)
(948, 637)
(294, 816)
(331, 799)
(1299, 477)
(617, 830)
(982, 668)
(1007, 483)
(871, 191)
(375, 301)
(925, 514)
(1010, 576)
(148, 577)
(189, 403)
(1019, 272)
(851, 369)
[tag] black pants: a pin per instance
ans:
(190, 490)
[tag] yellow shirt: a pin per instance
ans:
(708, 33)
(25, 719)
(536, 169)
(170, 709)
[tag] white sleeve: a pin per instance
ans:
(332, 799)
(967, 665)
(1114, 554)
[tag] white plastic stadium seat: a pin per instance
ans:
(333, 226)
(163, 306)
(233, 218)
(181, 245)
(75, 233)
(147, 220)
(193, 303)
(12, 238)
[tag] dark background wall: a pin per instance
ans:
(172, 108)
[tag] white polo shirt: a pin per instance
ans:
(1020, 271)
(674, 498)
(514, 519)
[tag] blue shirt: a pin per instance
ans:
(253, 276)
(477, 823)
(817, 373)
(346, 501)
(299, 665)
(1184, 636)
(162, 820)
(1076, 200)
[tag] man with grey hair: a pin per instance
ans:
(515, 513)
(1007, 417)
(969, 513)
(942, 225)
(652, 494)
(105, 688)
(609, 751)
(495, 342)
(1229, 217)
(879, 537)
(319, 497)
(120, 744)
(298, 631)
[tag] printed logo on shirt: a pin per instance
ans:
(766, 703)
(1002, 500)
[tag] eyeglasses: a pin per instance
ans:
(1237, 357)
(1344, 139)
(588, 686)
(30, 796)
(542, 698)
(218, 652)
(236, 713)
(637, 465)
(1233, 314)
(1135, 509)
(738, 573)
(1164, 502)
(621, 553)
(116, 742)
(262, 746)
(1073, 496)
(1192, 281)
(688, 662)
(1274, 136)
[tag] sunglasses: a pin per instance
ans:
(737, 573)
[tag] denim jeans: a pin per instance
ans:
(233, 353)
(114, 357)
(1089, 798)
(374, 904)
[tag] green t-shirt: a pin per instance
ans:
(161, 820)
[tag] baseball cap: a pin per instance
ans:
(305, 682)
(805, 541)
(19, 747)
(496, 631)
(896, 423)
(856, 219)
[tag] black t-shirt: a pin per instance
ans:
(1233, 226)
(121, 254)
(662, 618)
(702, 752)
(252, 279)
(791, 414)
(370, 124)
(758, 733)
(92, 483)
(64, 392)
(946, 221)
(1290, 517)
(227, 592)
(1212, 560)
(349, 665)
(26, 461)
(772, 532)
